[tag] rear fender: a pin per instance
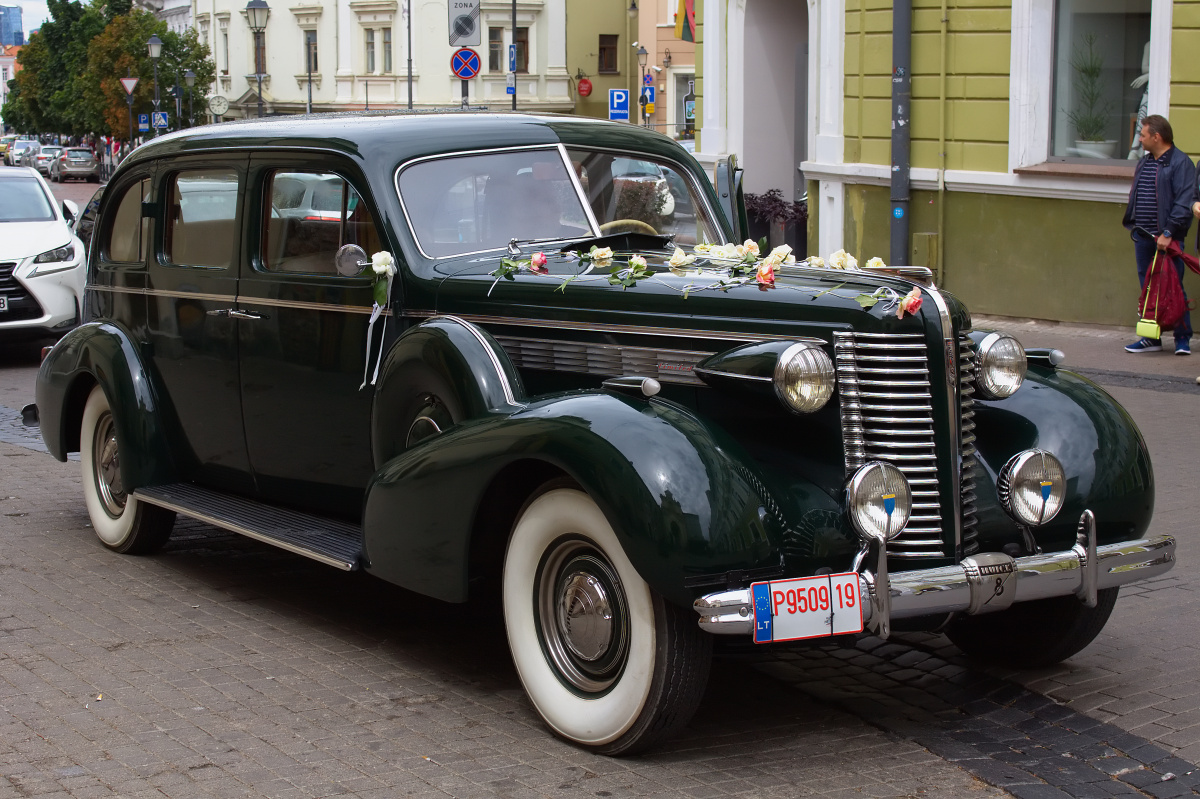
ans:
(683, 497)
(103, 353)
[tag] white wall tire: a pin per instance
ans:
(122, 523)
(617, 684)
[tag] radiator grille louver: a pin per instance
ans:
(967, 364)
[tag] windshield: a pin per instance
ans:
(79, 153)
(465, 204)
(24, 200)
(50, 151)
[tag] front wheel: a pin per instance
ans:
(122, 523)
(606, 662)
(1033, 634)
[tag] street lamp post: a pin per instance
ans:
(154, 45)
(643, 54)
(189, 78)
(257, 12)
(178, 92)
(308, 59)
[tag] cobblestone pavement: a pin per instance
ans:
(228, 668)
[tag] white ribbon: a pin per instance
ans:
(376, 312)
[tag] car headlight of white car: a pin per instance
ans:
(55, 260)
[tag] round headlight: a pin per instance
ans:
(879, 500)
(804, 378)
(1032, 486)
(1002, 366)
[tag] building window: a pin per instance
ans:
(522, 43)
(1101, 78)
(260, 53)
(608, 54)
(224, 52)
(370, 46)
(387, 50)
(496, 60)
(310, 48)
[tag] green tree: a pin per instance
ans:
(24, 107)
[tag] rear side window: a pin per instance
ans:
(201, 218)
(311, 215)
(129, 234)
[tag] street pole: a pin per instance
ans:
(178, 102)
(258, 75)
(514, 44)
(308, 58)
(189, 78)
(257, 13)
(408, 16)
(154, 45)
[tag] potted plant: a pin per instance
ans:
(1093, 109)
(773, 218)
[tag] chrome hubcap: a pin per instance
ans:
(582, 615)
(106, 467)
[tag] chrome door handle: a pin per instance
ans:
(235, 314)
(219, 312)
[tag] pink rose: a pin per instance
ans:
(537, 264)
(766, 274)
(910, 304)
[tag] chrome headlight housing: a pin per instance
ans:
(1032, 487)
(879, 501)
(804, 378)
(1002, 366)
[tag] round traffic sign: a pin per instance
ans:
(648, 79)
(465, 63)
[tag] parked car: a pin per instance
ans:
(634, 442)
(41, 261)
(42, 158)
(75, 162)
(5, 142)
(16, 150)
(85, 224)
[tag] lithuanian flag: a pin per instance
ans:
(685, 21)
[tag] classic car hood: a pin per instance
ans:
(803, 301)
(23, 239)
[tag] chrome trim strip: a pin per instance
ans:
(225, 524)
(504, 384)
(935, 592)
(241, 299)
(954, 411)
(579, 192)
(180, 295)
(733, 376)
(602, 327)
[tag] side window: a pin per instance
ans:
(201, 223)
(311, 215)
(129, 233)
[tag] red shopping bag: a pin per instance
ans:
(1162, 295)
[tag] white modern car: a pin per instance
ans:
(42, 263)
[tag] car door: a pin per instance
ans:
(304, 353)
(191, 296)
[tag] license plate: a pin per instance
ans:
(3, 303)
(806, 607)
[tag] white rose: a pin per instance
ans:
(816, 262)
(681, 258)
(876, 263)
(750, 246)
(602, 253)
(381, 263)
(843, 260)
(637, 260)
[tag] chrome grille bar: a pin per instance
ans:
(967, 365)
(900, 431)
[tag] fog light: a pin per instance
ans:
(879, 501)
(1032, 487)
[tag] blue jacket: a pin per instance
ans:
(1177, 191)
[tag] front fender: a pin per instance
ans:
(1102, 451)
(103, 353)
(683, 497)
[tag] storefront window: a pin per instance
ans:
(1101, 78)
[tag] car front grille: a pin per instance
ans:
(887, 414)
(21, 306)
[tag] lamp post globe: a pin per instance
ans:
(257, 12)
(154, 46)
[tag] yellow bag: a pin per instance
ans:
(1148, 328)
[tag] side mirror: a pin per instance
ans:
(70, 211)
(351, 260)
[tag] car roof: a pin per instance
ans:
(397, 136)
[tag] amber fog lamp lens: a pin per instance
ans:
(804, 378)
(1002, 366)
(1032, 487)
(879, 500)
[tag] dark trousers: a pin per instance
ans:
(1144, 247)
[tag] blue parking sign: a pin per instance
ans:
(143, 122)
(160, 119)
(618, 104)
(648, 93)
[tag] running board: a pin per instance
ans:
(329, 541)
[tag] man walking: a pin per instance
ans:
(1159, 212)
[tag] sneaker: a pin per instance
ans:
(1183, 348)
(1145, 345)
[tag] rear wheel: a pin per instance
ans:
(607, 663)
(122, 523)
(1033, 634)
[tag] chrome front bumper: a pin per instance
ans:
(983, 583)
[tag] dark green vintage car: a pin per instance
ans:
(478, 352)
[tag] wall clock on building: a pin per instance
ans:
(217, 105)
